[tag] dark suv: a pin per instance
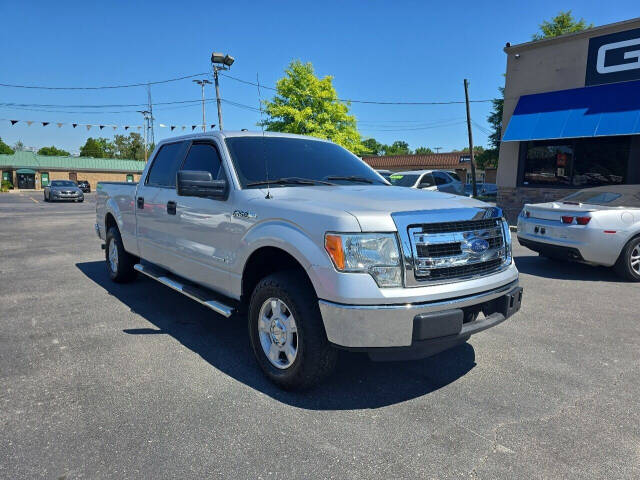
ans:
(84, 186)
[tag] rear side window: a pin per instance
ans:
(440, 178)
(203, 157)
(426, 181)
(165, 165)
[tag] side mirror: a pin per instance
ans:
(200, 184)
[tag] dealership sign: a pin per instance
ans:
(614, 58)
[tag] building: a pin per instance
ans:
(27, 170)
(571, 115)
(458, 162)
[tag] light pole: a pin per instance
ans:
(202, 83)
(220, 61)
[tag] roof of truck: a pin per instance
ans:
(237, 133)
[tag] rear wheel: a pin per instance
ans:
(286, 332)
(119, 262)
(628, 264)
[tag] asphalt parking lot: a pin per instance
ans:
(99, 380)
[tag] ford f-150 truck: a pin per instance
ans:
(317, 249)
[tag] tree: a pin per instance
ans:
(53, 152)
(562, 23)
(18, 146)
(129, 146)
(308, 105)
(373, 146)
(423, 151)
(95, 147)
(398, 147)
(5, 149)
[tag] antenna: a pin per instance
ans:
(264, 152)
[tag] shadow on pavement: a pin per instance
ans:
(224, 343)
(564, 270)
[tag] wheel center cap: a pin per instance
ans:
(278, 331)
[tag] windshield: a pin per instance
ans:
(401, 180)
(62, 183)
(455, 176)
(296, 158)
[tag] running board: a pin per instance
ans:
(194, 293)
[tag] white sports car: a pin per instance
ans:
(599, 226)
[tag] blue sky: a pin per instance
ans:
(376, 50)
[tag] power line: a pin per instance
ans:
(103, 87)
(350, 100)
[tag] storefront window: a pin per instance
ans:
(577, 163)
(548, 163)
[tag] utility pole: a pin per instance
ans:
(220, 61)
(215, 79)
(150, 136)
(437, 149)
(472, 160)
(145, 126)
(202, 83)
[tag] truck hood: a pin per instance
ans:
(371, 205)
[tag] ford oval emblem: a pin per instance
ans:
(479, 245)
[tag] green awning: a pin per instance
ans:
(26, 170)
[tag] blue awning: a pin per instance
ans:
(604, 110)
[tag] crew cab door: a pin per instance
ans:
(200, 228)
(154, 193)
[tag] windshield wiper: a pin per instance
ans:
(289, 181)
(350, 178)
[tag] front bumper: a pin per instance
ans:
(389, 332)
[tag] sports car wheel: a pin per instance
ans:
(628, 264)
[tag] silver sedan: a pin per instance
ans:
(599, 226)
(60, 190)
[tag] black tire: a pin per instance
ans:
(623, 265)
(315, 358)
(45, 198)
(123, 271)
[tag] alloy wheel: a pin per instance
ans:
(113, 256)
(278, 333)
(634, 258)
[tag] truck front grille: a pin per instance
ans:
(455, 250)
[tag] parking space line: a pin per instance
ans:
(33, 200)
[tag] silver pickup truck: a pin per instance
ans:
(317, 249)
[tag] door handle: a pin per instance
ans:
(171, 207)
(140, 202)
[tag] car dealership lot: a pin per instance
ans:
(102, 380)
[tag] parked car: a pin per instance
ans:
(483, 189)
(319, 251)
(599, 226)
(84, 186)
(440, 180)
(63, 190)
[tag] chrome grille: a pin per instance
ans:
(452, 250)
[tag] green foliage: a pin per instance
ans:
(477, 150)
(53, 152)
(495, 120)
(308, 105)
(5, 186)
(487, 158)
(398, 147)
(129, 146)
(94, 147)
(562, 23)
(373, 146)
(423, 151)
(5, 149)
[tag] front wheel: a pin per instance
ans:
(286, 332)
(628, 264)
(119, 262)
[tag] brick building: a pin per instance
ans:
(27, 170)
(453, 161)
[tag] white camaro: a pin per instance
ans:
(599, 226)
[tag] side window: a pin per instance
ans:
(440, 178)
(165, 165)
(203, 157)
(426, 181)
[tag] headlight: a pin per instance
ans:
(507, 240)
(374, 253)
